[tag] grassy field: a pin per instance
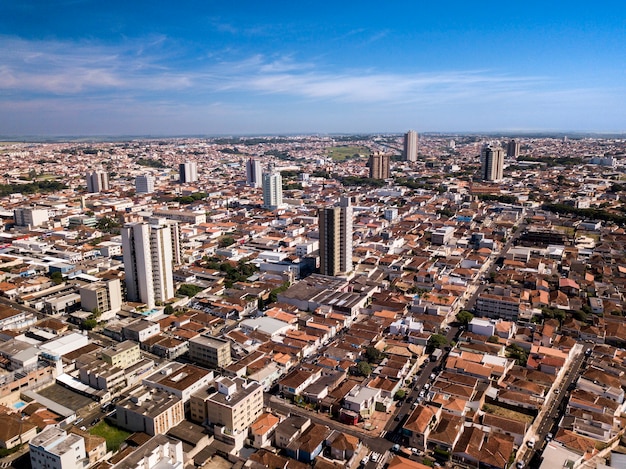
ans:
(345, 152)
(114, 436)
(511, 414)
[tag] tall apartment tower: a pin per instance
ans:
(410, 146)
(97, 181)
(379, 166)
(335, 226)
(512, 149)
(188, 172)
(144, 184)
(254, 173)
(272, 189)
(492, 163)
(148, 261)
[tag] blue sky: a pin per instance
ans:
(79, 67)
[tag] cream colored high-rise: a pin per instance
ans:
(492, 163)
(148, 261)
(410, 146)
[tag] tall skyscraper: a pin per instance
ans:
(148, 261)
(492, 163)
(254, 173)
(410, 146)
(512, 149)
(97, 181)
(188, 172)
(272, 189)
(335, 227)
(379, 166)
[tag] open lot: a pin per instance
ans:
(114, 436)
(343, 153)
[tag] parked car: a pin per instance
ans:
(531, 443)
(395, 448)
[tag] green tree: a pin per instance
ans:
(400, 394)
(56, 277)
(89, 324)
(187, 289)
(225, 241)
(519, 354)
(364, 369)
(374, 355)
(494, 339)
(464, 317)
(436, 341)
(169, 309)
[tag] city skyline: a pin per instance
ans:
(85, 68)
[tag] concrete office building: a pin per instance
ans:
(97, 181)
(492, 163)
(410, 146)
(29, 216)
(188, 172)
(151, 411)
(53, 448)
(210, 351)
(272, 189)
(122, 355)
(513, 149)
(254, 173)
(148, 261)
(335, 226)
(235, 405)
(144, 184)
(159, 452)
(104, 296)
(379, 166)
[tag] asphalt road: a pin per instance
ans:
(380, 445)
(556, 412)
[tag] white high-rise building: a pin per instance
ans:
(272, 189)
(335, 226)
(492, 163)
(188, 172)
(410, 146)
(144, 184)
(97, 181)
(148, 261)
(253, 172)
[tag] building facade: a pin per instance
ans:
(144, 184)
(513, 149)
(272, 189)
(53, 448)
(29, 216)
(104, 296)
(254, 173)
(335, 226)
(210, 351)
(97, 181)
(151, 411)
(492, 163)
(148, 261)
(235, 405)
(187, 172)
(410, 146)
(379, 166)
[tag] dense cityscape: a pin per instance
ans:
(394, 301)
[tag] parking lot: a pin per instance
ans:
(65, 397)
